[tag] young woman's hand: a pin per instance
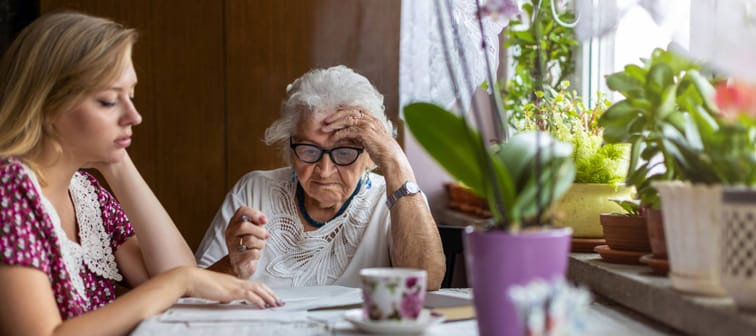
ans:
(225, 288)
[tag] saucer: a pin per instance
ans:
(619, 256)
(425, 320)
(586, 244)
(658, 266)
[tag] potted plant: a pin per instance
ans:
(600, 167)
(625, 233)
(669, 113)
(723, 148)
(519, 176)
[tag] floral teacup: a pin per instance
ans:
(393, 293)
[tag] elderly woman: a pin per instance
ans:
(321, 220)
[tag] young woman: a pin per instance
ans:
(66, 103)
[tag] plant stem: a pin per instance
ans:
(497, 208)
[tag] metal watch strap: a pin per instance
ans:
(404, 190)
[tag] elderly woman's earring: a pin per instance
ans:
(368, 182)
(293, 176)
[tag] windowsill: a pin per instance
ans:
(634, 286)
(631, 286)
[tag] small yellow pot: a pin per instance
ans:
(580, 208)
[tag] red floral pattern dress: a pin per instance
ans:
(31, 236)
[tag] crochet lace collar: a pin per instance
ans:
(317, 257)
(94, 249)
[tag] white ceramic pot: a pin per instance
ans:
(738, 257)
(692, 216)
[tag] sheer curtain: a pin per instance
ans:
(424, 73)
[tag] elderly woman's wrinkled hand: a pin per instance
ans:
(245, 240)
(359, 124)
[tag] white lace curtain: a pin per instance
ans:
(423, 71)
(424, 75)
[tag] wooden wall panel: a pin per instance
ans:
(190, 108)
(271, 43)
(179, 147)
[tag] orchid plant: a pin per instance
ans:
(519, 176)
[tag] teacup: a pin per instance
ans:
(393, 293)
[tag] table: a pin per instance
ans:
(603, 318)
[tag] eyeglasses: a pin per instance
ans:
(340, 156)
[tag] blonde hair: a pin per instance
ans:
(51, 66)
(319, 90)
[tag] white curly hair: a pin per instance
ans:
(320, 91)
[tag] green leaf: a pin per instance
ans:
(658, 79)
(668, 104)
(524, 35)
(637, 146)
(623, 82)
(705, 124)
(640, 103)
(636, 72)
(705, 90)
(519, 156)
(692, 136)
(447, 139)
(555, 179)
(674, 61)
(616, 120)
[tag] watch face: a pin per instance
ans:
(412, 188)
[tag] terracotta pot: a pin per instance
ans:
(655, 227)
(582, 205)
(464, 200)
(497, 260)
(625, 233)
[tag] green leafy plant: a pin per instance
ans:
(563, 114)
(519, 178)
(643, 119)
(631, 207)
(673, 125)
(542, 53)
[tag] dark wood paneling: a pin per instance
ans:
(179, 61)
(190, 107)
(271, 43)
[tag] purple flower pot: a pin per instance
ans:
(497, 260)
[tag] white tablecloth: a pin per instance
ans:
(604, 318)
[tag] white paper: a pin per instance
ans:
(306, 298)
(297, 302)
(215, 312)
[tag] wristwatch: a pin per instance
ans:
(407, 189)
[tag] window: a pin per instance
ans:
(635, 36)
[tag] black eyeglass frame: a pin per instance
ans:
(323, 151)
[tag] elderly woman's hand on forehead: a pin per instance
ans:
(359, 124)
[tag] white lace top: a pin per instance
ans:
(94, 249)
(82, 274)
(330, 255)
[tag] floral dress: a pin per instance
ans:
(82, 275)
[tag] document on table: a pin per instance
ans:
(298, 301)
(307, 298)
